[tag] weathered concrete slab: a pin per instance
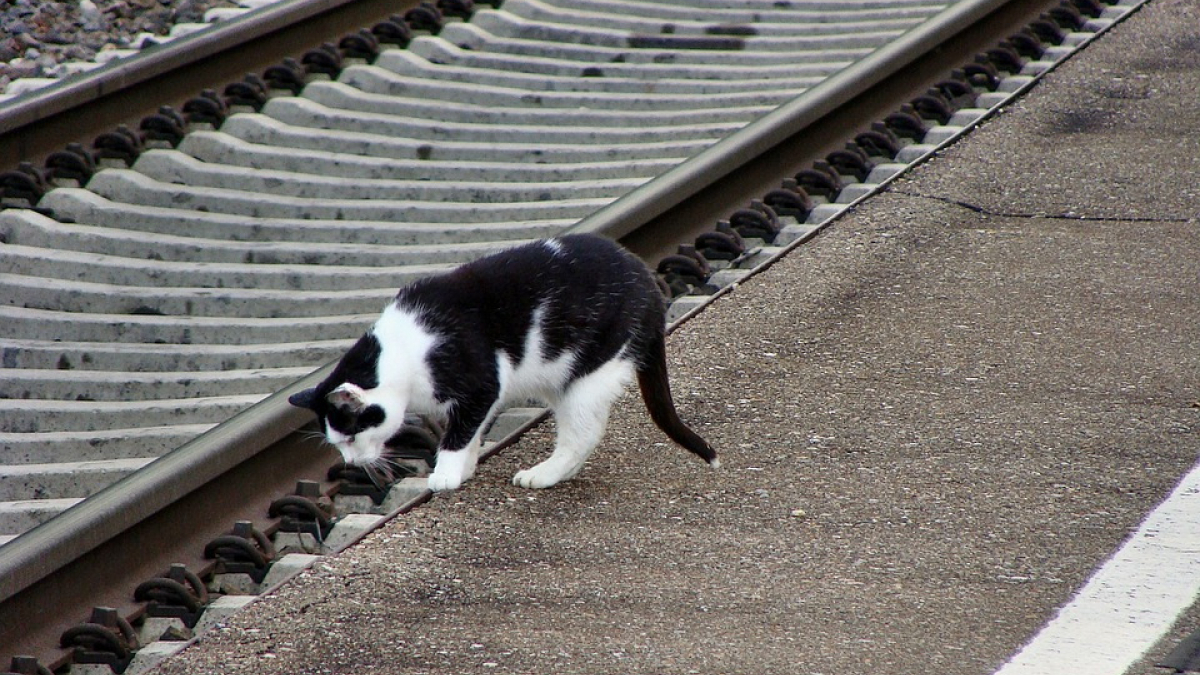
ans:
(574, 78)
(326, 266)
(474, 36)
(441, 49)
(340, 95)
(75, 479)
(170, 166)
(222, 148)
(124, 185)
(88, 207)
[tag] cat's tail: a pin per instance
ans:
(656, 392)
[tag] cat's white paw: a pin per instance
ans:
(453, 468)
(443, 482)
(541, 476)
(530, 478)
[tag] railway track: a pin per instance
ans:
(161, 303)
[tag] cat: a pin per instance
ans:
(567, 320)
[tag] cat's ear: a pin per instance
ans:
(304, 399)
(348, 397)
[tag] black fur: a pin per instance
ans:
(359, 367)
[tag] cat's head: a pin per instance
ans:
(358, 422)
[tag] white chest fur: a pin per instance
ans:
(402, 367)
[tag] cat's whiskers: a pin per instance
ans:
(382, 471)
(313, 435)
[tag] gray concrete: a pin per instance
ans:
(258, 128)
(530, 20)
(504, 38)
(79, 479)
(375, 79)
(170, 166)
(52, 446)
(87, 206)
(935, 419)
(677, 80)
(443, 49)
(221, 148)
(338, 95)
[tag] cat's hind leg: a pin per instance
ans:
(581, 414)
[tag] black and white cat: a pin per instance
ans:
(567, 321)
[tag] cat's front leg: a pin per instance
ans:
(456, 459)
(453, 468)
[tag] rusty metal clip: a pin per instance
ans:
(288, 76)
(74, 163)
(879, 141)
(906, 123)
(393, 31)
(425, 17)
(24, 185)
(244, 550)
(718, 245)
(851, 161)
(363, 45)
(178, 594)
(251, 92)
(821, 180)
(166, 125)
(1047, 31)
(1092, 8)
(462, 9)
(1005, 58)
(207, 108)
(306, 510)
(121, 144)
(684, 270)
(1026, 43)
(106, 638)
(933, 107)
(324, 60)
(789, 200)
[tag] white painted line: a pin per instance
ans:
(1131, 601)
